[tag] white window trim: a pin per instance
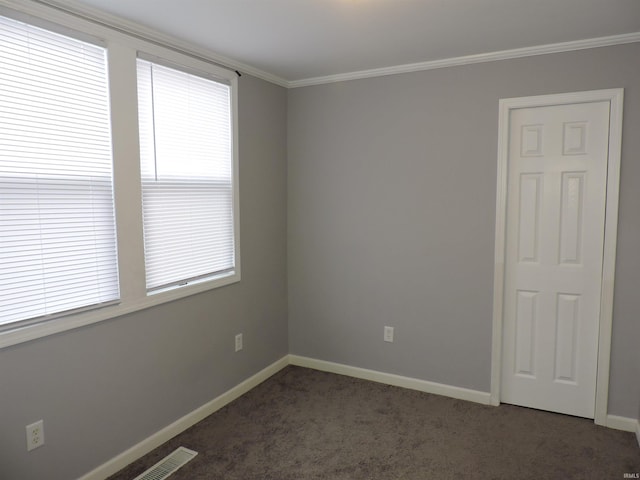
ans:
(122, 50)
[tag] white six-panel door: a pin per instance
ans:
(556, 198)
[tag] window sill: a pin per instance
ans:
(69, 322)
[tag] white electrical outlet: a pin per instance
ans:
(238, 342)
(388, 334)
(35, 435)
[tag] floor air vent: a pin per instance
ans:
(168, 465)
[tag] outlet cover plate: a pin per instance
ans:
(35, 435)
(388, 334)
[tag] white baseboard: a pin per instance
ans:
(391, 379)
(125, 458)
(137, 451)
(622, 423)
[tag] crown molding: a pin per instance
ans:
(48, 8)
(136, 30)
(470, 59)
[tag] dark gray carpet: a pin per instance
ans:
(303, 424)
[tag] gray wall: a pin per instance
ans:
(103, 388)
(391, 219)
(391, 186)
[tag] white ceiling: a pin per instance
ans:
(297, 40)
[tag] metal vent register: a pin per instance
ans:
(168, 465)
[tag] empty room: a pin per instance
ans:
(319, 239)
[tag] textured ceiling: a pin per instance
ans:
(301, 39)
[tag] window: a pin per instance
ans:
(106, 206)
(186, 171)
(57, 228)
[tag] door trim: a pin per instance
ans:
(615, 99)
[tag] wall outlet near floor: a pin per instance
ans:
(35, 435)
(238, 342)
(388, 334)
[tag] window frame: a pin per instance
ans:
(183, 282)
(123, 49)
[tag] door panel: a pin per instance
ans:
(529, 217)
(553, 264)
(567, 328)
(525, 333)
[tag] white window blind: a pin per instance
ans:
(186, 168)
(57, 232)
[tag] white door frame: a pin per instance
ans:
(615, 99)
